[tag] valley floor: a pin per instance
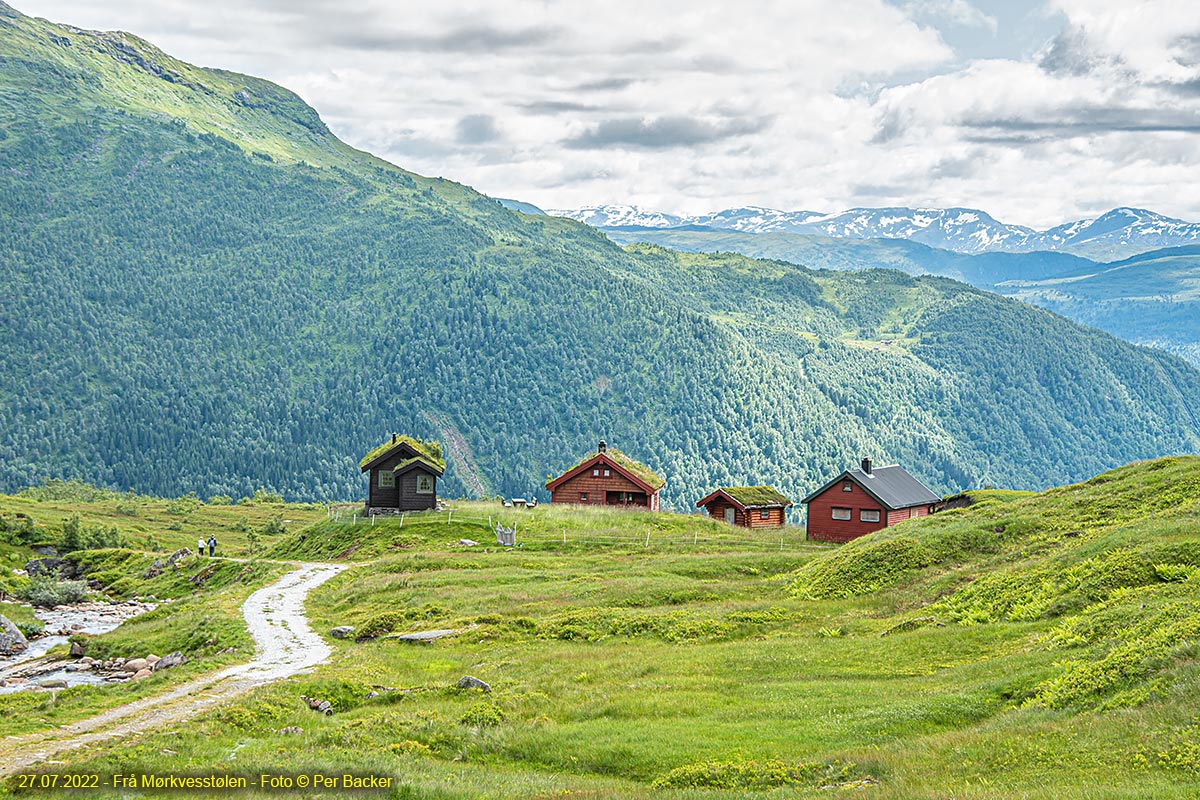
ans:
(704, 662)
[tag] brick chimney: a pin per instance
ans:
(603, 446)
(866, 465)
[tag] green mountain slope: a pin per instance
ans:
(209, 292)
(1153, 298)
(1148, 299)
(825, 252)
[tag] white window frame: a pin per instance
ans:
(387, 479)
(428, 479)
(607, 473)
(596, 473)
(764, 514)
(583, 497)
(846, 517)
(847, 486)
(863, 512)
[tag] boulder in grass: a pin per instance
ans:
(342, 631)
(170, 660)
(12, 641)
(136, 665)
(471, 682)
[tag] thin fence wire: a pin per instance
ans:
(544, 539)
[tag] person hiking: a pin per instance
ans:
(212, 546)
(200, 546)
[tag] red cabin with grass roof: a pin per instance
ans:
(608, 478)
(862, 501)
(403, 475)
(747, 506)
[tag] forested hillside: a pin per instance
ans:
(207, 292)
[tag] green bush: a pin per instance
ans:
(482, 715)
(46, 591)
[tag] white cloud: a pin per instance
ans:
(692, 106)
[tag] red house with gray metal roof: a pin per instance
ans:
(861, 501)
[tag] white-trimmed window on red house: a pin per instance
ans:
(847, 486)
(583, 495)
(764, 514)
(844, 514)
(868, 514)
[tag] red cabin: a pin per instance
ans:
(861, 501)
(608, 478)
(747, 506)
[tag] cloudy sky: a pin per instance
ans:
(1037, 111)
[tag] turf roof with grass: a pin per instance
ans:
(430, 451)
(756, 496)
(635, 468)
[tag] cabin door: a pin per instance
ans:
(729, 514)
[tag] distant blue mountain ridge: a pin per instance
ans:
(1131, 272)
(1117, 234)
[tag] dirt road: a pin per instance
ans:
(286, 646)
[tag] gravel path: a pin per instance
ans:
(286, 646)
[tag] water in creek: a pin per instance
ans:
(61, 622)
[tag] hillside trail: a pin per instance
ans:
(286, 646)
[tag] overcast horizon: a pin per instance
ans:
(1035, 112)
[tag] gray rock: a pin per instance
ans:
(136, 665)
(423, 636)
(291, 730)
(471, 682)
(11, 639)
(78, 649)
(468, 542)
(342, 631)
(44, 550)
(155, 570)
(53, 683)
(170, 660)
(177, 556)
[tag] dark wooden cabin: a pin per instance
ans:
(747, 506)
(861, 501)
(403, 475)
(608, 478)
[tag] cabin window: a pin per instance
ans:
(764, 514)
(607, 473)
(869, 514)
(387, 479)
(595, 473)
(843, 513)
(583, 495)
(847, 486)
(424, 484)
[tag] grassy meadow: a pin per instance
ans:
(1029, 646)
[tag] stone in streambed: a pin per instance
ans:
(12, 641)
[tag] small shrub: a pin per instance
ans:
(220, 500)
(46, 591)
(482, 715)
